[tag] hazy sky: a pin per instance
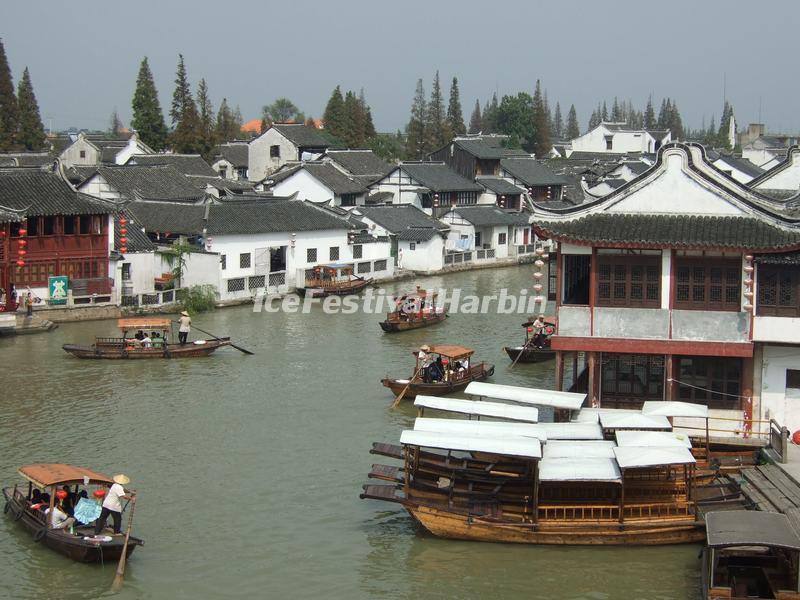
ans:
(84, 54)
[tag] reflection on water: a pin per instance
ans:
(249, 468)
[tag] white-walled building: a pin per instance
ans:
(487, 228)
(87, 151)
(231, 160)
(282, 143)
(620, 138)
(319, 182)
(784, 176)
(767, 150)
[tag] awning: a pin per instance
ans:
(750, 528)
(143, 323)
(578, 449)
(473, 407)
(611, 420)
(520, 447)
(523, 395)
(650, 439)
(579, 469)
(572, 431)
(47, 474)
(633, 457)
(674, 409)
(481, 428)
(592, 415)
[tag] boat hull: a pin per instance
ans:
(347, 289)
(477, 373)
(171, 351)
(397, 325)
(529, 354)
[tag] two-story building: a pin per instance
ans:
(89, 151)
(231, 160)
(282, 143)
(680, 285)
(320, 182)
(472, 156)
(620, 138)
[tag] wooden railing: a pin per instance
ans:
(610, 512)
(779, 440)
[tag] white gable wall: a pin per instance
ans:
(307, 187)
(403, 187)
(788, 178)
(99, 187)
(260, 162)
(425, 256)
(621, 141)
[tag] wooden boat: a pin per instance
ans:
(750, 554)
(81, 544)
(130, 348)
(531, 352)
(335, 279)
(454, 380)
(414, 310)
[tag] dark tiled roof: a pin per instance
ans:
(741, 164)
(167, 217)
(676, 231)
(487, 215)
(271, 216)
(787, 258)
(487, 148)
(658, 134)
(77, 175)
(778, 194)
(152, 183)
(137, 239)
(499, 185)
(38, 192)
(188, 164)
(301, 135)
(327, 174)
(637, 167)
(236, 154)
(360, 162)
(418, 234)
(531, 172)
(26, 159)
(438, 177)
(379, 197)
(397, 218)
(601, 156)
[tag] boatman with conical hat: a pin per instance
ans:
(112, 504)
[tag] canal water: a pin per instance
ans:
(248, 468)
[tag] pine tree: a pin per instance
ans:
(542, 144)
(558, 123)
(663, 115)
(604, 112)
(489, 120)
(415, 129)
(368, 127)
(148, 120)
(649, 114)
(114, 125)
(436, 125)
(548, 113)
(475, 120)
(455, 116)
(226, 129)
(594, 119)
(186, 137)
(675, 122)
(573, 129)
(207, 133)
(181, 94)
(354, 121)
(31, 131)
(616, 112)
(333, 117)
(724, 126)
(8, 104)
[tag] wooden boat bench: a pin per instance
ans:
(390, 450)
(387, 473)
(387, 493)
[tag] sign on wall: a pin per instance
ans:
(58, 286)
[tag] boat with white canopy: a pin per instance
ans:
(522, 395)
(477, 409)
(481, 428)
(614, 421)
(578, 449)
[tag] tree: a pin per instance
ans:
(207, 131)
(573, 129)
(182, 93)
(475, 120)
(354, 122)
(595, 118)
(282, 110)
(558, 123)
(8, 104)
(675, 124)
(436, 128)
(489, 123)
(663, 114)
(114, 125)
(369, 127)
(148, 120)
(175, 257)
(415, 129)
(604, 112)
(227, 128)
(542, 143)
(187, 135)
(649, 114)
(388, 146)
(31, 130)
(616, 111)
(724, 126)
(515, 119)
(333, 117)
(455, 116)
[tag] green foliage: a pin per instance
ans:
(541, 125)
(388, 146)
(175, 256)
(208, 135)
(489, 117)
(415, 129)
(515, 119)
(649, 120)
(333, 117)
(724, 126)
(114, 126)
(558, 123)
(198, 298)
(282, 110)
(437, 132)
(182, 94)
(228, 128)
(148, 120)
(30, 134)
(573, 129)
(8, 104)
(455, 116)
(475, 120)
(187, 136)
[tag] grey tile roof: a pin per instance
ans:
(742, 164)
(418, 234)
(438, 177)
(301, 135)
(786, 258)
(328, 175)
(188, 164)
(38, 192)
(152, 183)
(379, 197)
(235, 153)
(360, 162)
(397, 218)
(592, 156)
(26, 159)
(531, 172)
(77, 175)
(499, 185)
(167, 217)
(137, 239)
(487, 215)
(676, 231)
(487, 148)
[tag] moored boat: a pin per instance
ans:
(439, 370)
(157, 347)
(78, 543)
(536, 347)
(413, 311)
(335, 279)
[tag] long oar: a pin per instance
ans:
(405, 389)
(521, 352)
(117, 583)
(239, 348)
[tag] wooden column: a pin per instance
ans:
(559, 371)
(622, 497)
(747, 393)
(536, 492)
(592, 289)
(593, 381)
(670, 389)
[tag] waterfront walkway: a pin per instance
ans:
(776, 487)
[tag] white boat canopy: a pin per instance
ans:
(592, 415)
(481, 428)
(484, 409)
(572, 431)
(579, 469)
(633, 421)
(578, 449)
(523, 395)
(651, 439)
(674, 409)
(517, 446)
(631, 457)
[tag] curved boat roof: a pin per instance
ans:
(143, 323)
(473, 407)
(48, 474)
(451, 351)
(750, 528)
(522, 447)
(523, 395)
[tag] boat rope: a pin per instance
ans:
(697, 387)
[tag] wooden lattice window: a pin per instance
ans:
(633, 376)
(708, 284)
(629, 280)
(778, 291)
(715, 382)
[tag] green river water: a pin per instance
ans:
(248, 469)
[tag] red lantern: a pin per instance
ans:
(123, 221)
(22, 252)
(23, 231)
(99, 494)
(530, 329)
(20, 263)
(123, 240)
(22, 243)
(61, 494)
(123, 231)
(123, 249)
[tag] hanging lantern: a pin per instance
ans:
(538, 287)
(539, 299)
(538, 275)
(539, 263)
(749, 258)
(748, 282)
(61, 494)
(99, 494)
(123, 221)
(748, 295)
(22, 252)
(20, 263)
(540, 251)
(748, 306)
(123, 249)
(748, 270)
(123, 240)
(123, 231)
(530, 329)
(22, 243)
(23, 231)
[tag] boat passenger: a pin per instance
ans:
(158, 341)
(139, 335)
(147, 342)
(58, 519)
(68, 503)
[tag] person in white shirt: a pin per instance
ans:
(147, 342)
(112, 505)
(58, 519)
(185, 326)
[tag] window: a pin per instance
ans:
(241, 173)
(412, 246)
(244, 260)
(708, 284)
(69, 225)
(576, 278)
(126, 271)
(466, 198)
(778, 290)
(478, 239)
(552, 277)
(364, 267)
(609, 142)
(358, 251)
(89, 224)
(255, 282)
(333, 253)
(380, 265)
(223, 262)
(501, 239)
(49, 225)
(349, 199)
(792, 378)
(223, 172)
(716, 382)
(33, 226)
(236, 285)
(83, 153)
(629, 280)
(275, 151)
(633, 377)
(311, 255)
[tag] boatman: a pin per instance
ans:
(112, 505)
(185, 327)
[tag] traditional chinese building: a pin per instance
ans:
(682, 284)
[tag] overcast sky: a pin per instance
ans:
(84, 55)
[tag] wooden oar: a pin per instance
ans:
(239, 348)
(521, 352)
(117, 583)
(405, 389)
